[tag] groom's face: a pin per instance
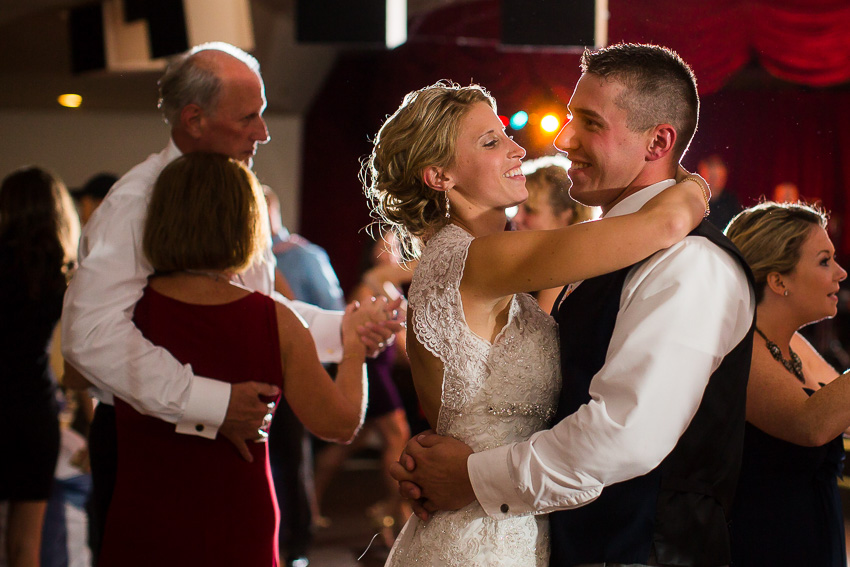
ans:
(606, 155)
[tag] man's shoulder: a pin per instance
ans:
(715, 243)
(698, 257)
(138, 182)
(140, 179)
(126, 202)
(299, 249)
(306, 246)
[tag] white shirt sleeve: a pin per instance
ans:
(98, 334)
(325, 327)
(681, 312)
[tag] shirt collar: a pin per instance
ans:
(172, 152)
(634, 202)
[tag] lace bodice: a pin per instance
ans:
(492, 394)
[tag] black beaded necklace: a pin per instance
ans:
(794, 366)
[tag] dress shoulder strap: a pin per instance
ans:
(439, 323)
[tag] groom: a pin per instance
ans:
(643, 459)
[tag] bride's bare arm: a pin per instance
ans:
(510, 262)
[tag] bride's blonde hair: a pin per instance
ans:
(422, 132)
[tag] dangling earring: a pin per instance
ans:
(785, 293)
(448, 205)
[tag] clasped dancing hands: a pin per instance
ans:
(378, 321)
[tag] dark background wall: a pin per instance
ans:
(773, 78)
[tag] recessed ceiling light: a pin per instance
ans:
(70, 100)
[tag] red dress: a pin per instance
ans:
(183, 499)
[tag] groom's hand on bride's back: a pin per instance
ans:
(432, 472)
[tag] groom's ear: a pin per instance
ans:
(661, 141)
(436, 178)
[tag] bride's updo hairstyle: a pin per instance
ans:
(423, 132)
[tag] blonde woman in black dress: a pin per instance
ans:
(787, 508)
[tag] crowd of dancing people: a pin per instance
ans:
(599, 358)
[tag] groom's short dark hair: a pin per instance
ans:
(660, 87)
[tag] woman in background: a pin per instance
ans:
(384, 275)
(187, 500)
(549, 206)
(39, 230)
(787, 509)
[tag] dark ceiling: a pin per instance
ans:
(36, 63)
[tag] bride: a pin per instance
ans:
(484, 356)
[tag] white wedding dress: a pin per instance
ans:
(492, 395)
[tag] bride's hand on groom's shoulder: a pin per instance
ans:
(432, 472)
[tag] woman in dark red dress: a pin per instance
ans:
(187, 500)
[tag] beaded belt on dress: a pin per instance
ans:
(508, 409)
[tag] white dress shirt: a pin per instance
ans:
(98, 334)
(681, 312)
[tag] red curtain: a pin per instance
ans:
(769, 131)
(801, 41)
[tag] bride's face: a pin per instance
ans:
(486, 170)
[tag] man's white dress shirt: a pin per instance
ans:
(681, 312)
(98, 334)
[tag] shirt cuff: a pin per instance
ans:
(102, 396)
(494, 485)
(327, 334)
(206, 409)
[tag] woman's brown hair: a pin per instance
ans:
(40, 228)
(207, 212)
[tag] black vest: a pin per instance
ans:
(676, 514)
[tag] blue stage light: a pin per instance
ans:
(519, 120)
